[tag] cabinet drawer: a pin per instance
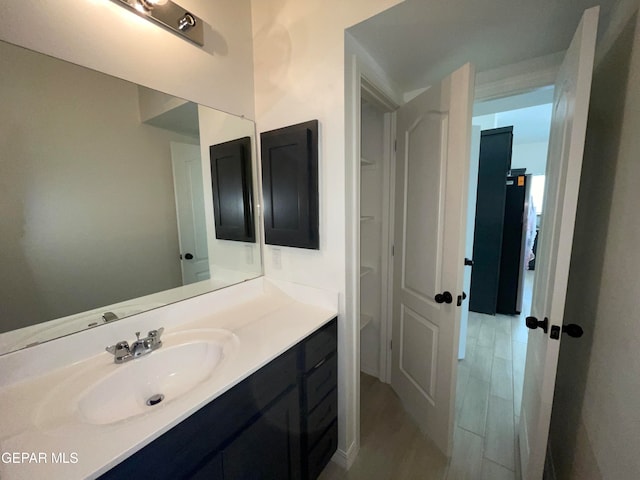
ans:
(321, 381)
(320, 344)
(322, 452)
(321, 417)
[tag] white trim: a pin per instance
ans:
(369, 371)
(352, 249)
(387, 230)
(346, 458)
(357, 63)
(372, 94)
(518, 77)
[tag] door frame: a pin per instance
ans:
(502, 82)
(358, 65)
(376, 97)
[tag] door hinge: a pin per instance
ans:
(390, 344)
(393, 250)
(395, 145)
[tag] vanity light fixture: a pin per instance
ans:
(169, 15)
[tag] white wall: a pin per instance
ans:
(532, 156)
(595, 427)
(104, 36)
(82, 225)
(300, 75)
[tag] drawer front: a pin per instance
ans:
(320, 455)
(320, 344)
(321, 417)
(321, 381)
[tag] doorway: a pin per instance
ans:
(377, 126)
(491, 369)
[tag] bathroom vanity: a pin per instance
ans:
(280, 423)
(249, 384)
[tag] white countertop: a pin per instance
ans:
(265, 321)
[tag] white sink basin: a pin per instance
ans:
(171, 373)
(104, 394)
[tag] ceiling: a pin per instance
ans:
(418, 42)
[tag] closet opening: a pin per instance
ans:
(377, 139)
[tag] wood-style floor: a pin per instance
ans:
(488, 400)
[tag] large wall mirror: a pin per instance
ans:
(106, 204)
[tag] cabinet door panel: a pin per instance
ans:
(231, 182)
(322, 452)
(211, 470)
(270, 447)
(290, 185)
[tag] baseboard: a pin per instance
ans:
(369, 371)
(346, 458)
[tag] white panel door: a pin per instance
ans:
(433, 134)
(192, 230)
(564, 164)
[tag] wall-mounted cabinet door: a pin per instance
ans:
(290, 185)
(231, 181)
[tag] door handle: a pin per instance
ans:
(461, 298)
(188, 256)
(533, 323)
(570, 329)
(444, 297)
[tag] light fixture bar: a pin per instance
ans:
(171, 16)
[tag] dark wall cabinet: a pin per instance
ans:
(290, 185)
(278, 424)
(231, 182)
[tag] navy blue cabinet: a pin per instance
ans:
(280, 423)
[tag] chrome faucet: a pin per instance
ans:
(109, 317)
(123, 352)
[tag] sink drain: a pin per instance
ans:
(155, 399)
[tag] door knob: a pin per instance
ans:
(573, 330)
(570, 329)
(444, 297)
(188, 256)
(533, 323)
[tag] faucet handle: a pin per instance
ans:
(156, 333)
(154, 337)
(120, 351)
(114, 349)
(137, 336)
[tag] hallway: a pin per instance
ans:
(487, 413)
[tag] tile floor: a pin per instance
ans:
(488, 398)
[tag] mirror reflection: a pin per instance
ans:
(106, 203)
